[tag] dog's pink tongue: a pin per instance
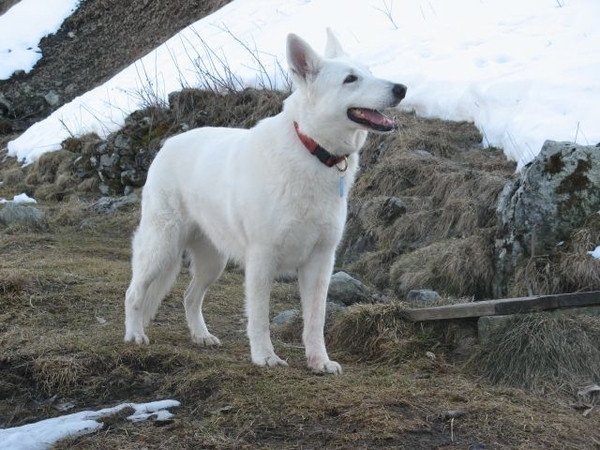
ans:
(377, 118)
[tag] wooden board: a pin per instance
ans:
(505, 306)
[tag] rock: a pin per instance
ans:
(52, 98)
(108, 205)
(122, 142)
(5, 106)
(345, 290)
(424, 153)
(393, 208)
(104, 189)
(355, 248)
(555, 193)
(24, 216)
(422, 297)
(285, 317)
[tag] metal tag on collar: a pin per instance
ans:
(342, 171)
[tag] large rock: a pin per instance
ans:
(15, 214)
(108, 205)
(346, 290)
(556, 192)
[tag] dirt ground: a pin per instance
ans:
(61, 314)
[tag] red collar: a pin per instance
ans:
(315, 149)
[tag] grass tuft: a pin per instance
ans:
(380, 333)
(543, 353)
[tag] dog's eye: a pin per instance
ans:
(350, 79)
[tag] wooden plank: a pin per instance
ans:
(504, 306)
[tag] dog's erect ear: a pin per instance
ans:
(333, 48)
(303, 61)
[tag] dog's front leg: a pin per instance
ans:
(313, 278)
(259, 277)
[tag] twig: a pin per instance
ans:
(387, 10)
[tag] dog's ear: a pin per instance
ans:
(303, 61)
(333, 48)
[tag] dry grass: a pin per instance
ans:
(380, 333)
(61, 341)
(543, 353)
(568, 269)
(462, 267)
(444, 239)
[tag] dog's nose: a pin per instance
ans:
(399, 91)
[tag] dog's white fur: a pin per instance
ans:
(259, 197)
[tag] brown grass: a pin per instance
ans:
(543, 353)
(380, 333)
(568, 269)
(61, 341)
(444, 239)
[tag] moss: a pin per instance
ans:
(577, 181)
(554, 164)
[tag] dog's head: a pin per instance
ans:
(338, 95)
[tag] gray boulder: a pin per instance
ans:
(108, 205)
(15, 214)
(285, 317)
(346, 290)
(422, 297)
(555, 193)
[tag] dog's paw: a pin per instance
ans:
(270, 361)
(137, 337)
(327, 366)
(206, 340)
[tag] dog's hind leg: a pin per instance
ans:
(155, 264)
(259, 276)
(207, 266)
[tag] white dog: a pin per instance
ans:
(273, 198)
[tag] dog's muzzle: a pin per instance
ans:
(376, 120)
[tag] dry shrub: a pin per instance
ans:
(567, 269)
(243, 109)
(13, 177)
(441, 138)
(458, 267)
(380, 333)
(542, 352)
(535, 276)
(59, 373)
(48, 167)
(88, 185)
(459, 201)
(555, 274)
(70, 212)
(51, 176)
(13, 281)
(579, 271)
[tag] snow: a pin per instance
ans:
(23, 26)
(21, 198)
(595, 253)
(42, 435)
(523, 72)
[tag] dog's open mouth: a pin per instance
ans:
(372, 119)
